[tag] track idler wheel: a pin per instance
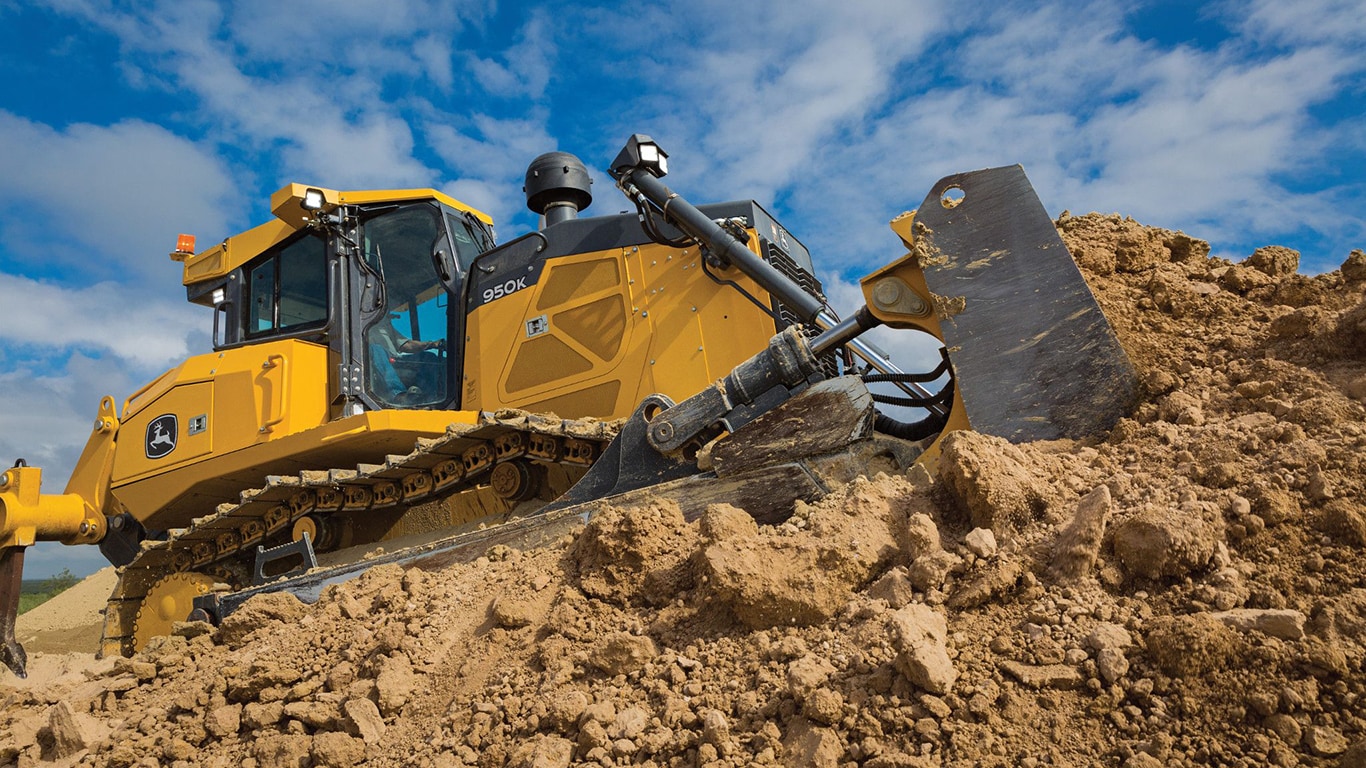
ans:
(514, 480)
(325, 534)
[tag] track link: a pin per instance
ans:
(221, 543)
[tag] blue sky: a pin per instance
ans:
(125, 123)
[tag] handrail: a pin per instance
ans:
(270, 425)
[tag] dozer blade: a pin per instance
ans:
(796, 451)
(1033, 355)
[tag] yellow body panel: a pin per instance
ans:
(285, 203)
(262, 410)
(601, 331)
(172, 499)
(246, 396)
(235, 251)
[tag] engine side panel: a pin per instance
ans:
(222, 422)
(593, 333)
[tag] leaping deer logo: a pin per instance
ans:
(161, 436)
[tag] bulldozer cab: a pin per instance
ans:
(379, 283)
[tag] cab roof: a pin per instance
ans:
(290, 217)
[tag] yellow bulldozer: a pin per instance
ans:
(384, 375)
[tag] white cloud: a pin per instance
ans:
(760, 109)
(1339, 22)
(524, 68)
(1209, 141)
(312, 133)
(105, 317)
(109, 199)
(433, 56)
(378, 36)
(308, 97)
(47, 416)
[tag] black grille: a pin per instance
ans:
(776, 257)
(790, 269)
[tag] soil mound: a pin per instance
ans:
(72, 621)
(1188, 590)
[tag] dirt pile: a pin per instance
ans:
(72, 623)
(1188, 590)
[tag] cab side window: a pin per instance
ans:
(286, 289)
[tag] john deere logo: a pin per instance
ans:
(161, 434)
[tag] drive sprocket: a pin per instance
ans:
(169, 600)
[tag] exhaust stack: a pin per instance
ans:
(557, 187)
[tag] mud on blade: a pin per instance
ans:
(1034, 357)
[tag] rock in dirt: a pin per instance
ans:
(1187, 646)
(980, 542)
(545, 752)
(394, 684)
(919, 634)
(1078, 545)
(1344, 522)
(362, 718)
(336, 749)
(257, 715)
(768, 580)
(824, 706)
(318, 715)
(807, 674)
(223, 721)
(1108, 635)
(283, 751)
(1166, 543)
(1111, 664)
(928, 572)
(257, 613)
(991, 481)
(1283, 623)
(1355, 755)
(248, 685)
(70, 732)
(986, 585)
(638, 553)
(191, 629)
(1275, 260)
(809, 744)
(1324, 741)
(894, 587)
(513, 611)
(920, 537)
(565, 707)
(1043, 675)
(622, 653)
(1142, 760)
